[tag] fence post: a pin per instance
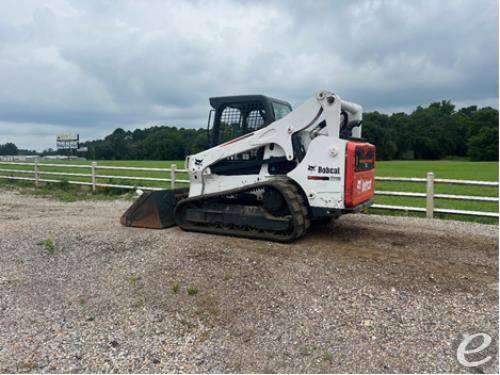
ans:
(93, 165)
(429, 212)
(37, 173)
(172, 176)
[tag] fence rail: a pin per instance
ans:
(430, 196)
(94, 182)
(94, 176)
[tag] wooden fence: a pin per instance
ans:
(37, 175)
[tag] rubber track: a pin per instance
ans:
(294, 199)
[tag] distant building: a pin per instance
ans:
(18, 157)
(34, 157)
(61, 157)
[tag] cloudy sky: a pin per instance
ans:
(92, 66)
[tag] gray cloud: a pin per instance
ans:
(93, 66)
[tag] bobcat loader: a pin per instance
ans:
(270, 171)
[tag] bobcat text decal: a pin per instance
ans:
(328, 170)
(323, 171)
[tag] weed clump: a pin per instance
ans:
(134, 279)
(48, 245)
(176, 287)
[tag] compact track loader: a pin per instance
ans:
(270, 171)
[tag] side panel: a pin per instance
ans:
(321, 172)
(360, 173)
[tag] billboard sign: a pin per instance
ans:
(67, 137)
(67, 141)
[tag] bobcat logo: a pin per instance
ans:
(329, 170)
(198, 161)
(364, 185)
(311, 168)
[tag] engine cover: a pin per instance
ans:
(360, 173)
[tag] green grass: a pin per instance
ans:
(72, 193)
(176, 287)
(111, 180)
(48, 245)
(134, 280)
(449, 169)
(462, 170)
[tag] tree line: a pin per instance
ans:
(8, 148)
(155, 143)
(11, 149)
(434, 132)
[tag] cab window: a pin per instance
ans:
(240, 118)
(281, 110)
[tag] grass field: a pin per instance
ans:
(461, 170)
(484, 171)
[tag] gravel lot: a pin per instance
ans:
(366, 294)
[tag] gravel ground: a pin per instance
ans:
(366, 294)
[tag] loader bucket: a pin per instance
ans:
(154, 209)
